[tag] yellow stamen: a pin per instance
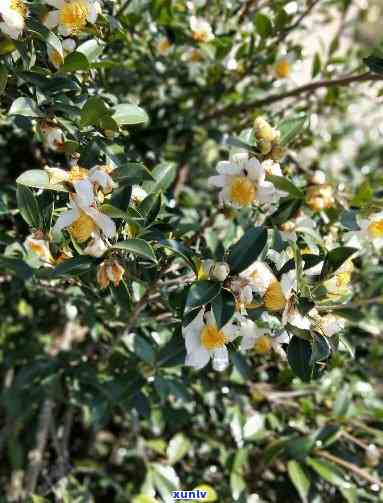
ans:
(200, 36)
(375, 229)
(263, 345)
(195, 56)
(242, 191)
(76, 174)
(19, 7)
(282, 68)
(164, 45)
(274, 299)
(74, 16)
(56, 58)
(37, 248)
(82, 228)
(212, 338)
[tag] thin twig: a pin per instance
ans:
(360, 472)
(307, 88)
(37, 454)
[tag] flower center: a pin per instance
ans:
(56, 58)
(282, 68)
(375, 229)
(37, 248)
(195, 56)
(212, 338)
(19, 7)
(200, 36)
(343, 279)
(274, 299)
(74, 15)
(242, 191)
(263, 345)
(76, 174)
(82, 228)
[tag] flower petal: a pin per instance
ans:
(198, 359)
(66, 219)
(52, 19)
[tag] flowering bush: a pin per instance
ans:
(173, 196)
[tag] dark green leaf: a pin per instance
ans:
(247, 250)
(299, 358)
(285, 185)
(299, 478)
(201, 293)
(138, 247)
(291, 128)
(263, 25)
(28, 206)
(223, 307)
(335, 258)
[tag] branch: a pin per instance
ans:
(310, 87)
(360, 472)
(36, 455)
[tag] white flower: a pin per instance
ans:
(55, 57)
(204, 341)
(331, 324)
(138, 194)
(40, 247)
(302, 224)
(242, 182)
(98, 176)
(283, 65)
(164, 46)
(71, 16)
(371, 230)
(209, 269)
(53, 136)
(13, 14)
(201, 29)
(260, 338)
(83, 218)
(96, 247)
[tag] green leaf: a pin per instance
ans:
(38, 179)
(25, 107)
(201, 293)
(3, 78)
(335, 258)
(151, 206)
(363, 195)
(74, 62)
(374, 63)
(327, 471)
(299, 358)
(71, 267)
(131, 173)
(96, 113)
(291, 128)
(179, 249)
(127, 114)
(321, 349)
(299, 479)
(164, 175)
(247, 250)
(285, 185)
(263, 25)
(28, 206)
(17, 266)
(178, 447)
(138, 247)
(223, 307)
(287, 208)
(44, 34)
(317, 65)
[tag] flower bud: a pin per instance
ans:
(220, 271)
(110, 271)
(320, 197)
(372, 456)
